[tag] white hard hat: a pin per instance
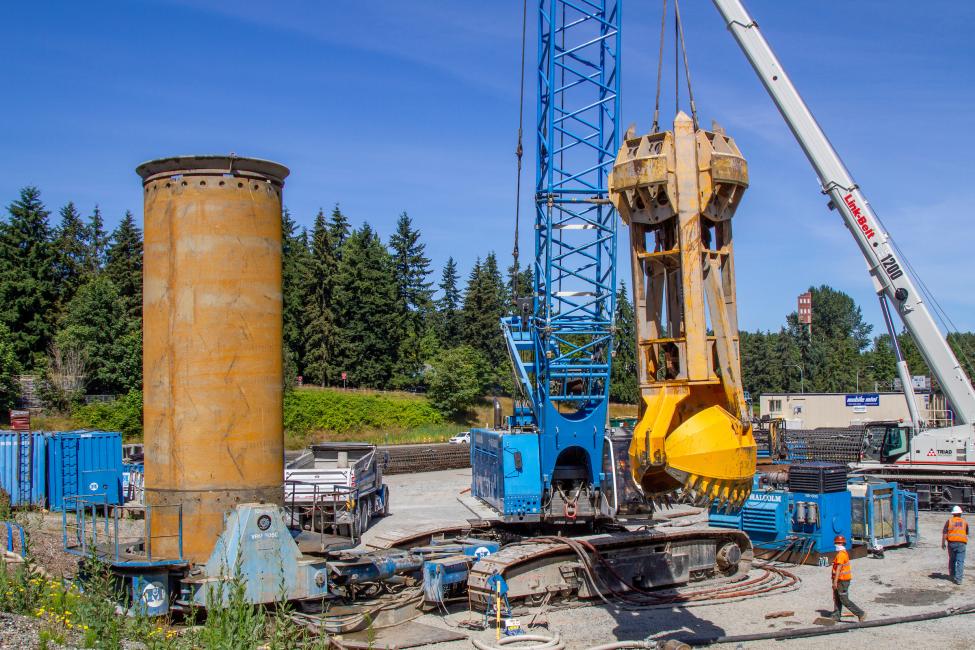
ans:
(956, 510)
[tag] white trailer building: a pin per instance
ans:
(817, 410)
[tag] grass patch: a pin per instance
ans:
(318, 414)
(310, 413)
(87, 618)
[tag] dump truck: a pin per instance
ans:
(336, 487)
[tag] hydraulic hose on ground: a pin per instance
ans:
(536, 641)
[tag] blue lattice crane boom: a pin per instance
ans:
(549, 464)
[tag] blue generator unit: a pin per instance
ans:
(793, 524)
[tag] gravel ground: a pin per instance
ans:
(17, 632)
(905, 582)
(47, 540)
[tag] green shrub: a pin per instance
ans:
(336, 411)
(457, 379)
(124, 414)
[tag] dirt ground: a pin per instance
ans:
(905, 582)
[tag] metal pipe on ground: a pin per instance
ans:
(840, 629)
(212, 356)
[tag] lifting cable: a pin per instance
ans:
(519, 151)
(963, 347)
(687, 68)
(660, 69)
(680, 54)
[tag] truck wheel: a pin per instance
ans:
(361, 519)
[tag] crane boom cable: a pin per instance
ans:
(687, 67)
(519, 152)
(660, 69)
(961, 348)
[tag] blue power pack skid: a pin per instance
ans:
(506, 473)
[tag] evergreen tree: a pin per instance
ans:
(412, 269)
(28, 289)
(624, 386)
(320, 330)
(296, 262)
(881, 364)
(484, 305)
(112, 349)
(519, 284)
(448, 306)
(70, 247)
(369, 336)
(338, 229)
(9, 369)
(412, 266)
(123, 266)
(787, 358)
(97, 242)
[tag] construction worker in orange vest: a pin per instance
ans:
(842, 574)
(955, 538)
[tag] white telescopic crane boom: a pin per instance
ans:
(875, 244)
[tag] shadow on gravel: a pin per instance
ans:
(672, 623)
(939, 576)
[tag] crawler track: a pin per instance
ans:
(624, 565)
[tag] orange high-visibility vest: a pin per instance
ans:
(957, 530)
(841, 566)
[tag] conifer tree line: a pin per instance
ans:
(837, 353)
(354, 302)
(357, 303)
(70, 301)
(375, 310)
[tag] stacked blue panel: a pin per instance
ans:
(85, 464)
(23, 467)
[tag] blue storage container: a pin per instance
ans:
(85, 464)
(23, 467)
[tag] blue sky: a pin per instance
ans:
(392, 106)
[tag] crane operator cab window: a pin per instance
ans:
(886, 441)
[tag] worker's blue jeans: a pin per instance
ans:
(956, 561)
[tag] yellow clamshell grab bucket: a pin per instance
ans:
(677, 191)
(708, 457)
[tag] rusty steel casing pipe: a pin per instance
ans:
(212, 347)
